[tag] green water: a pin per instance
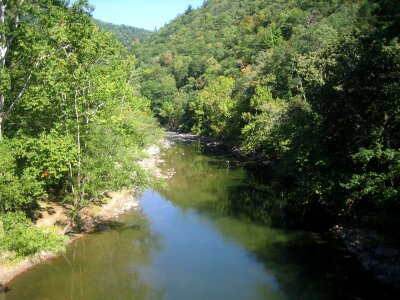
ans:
(194, 240)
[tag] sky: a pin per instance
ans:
(146, 14)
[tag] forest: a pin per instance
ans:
(72, 126)
(127, 35)
(310, 88)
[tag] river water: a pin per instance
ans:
(191, 240)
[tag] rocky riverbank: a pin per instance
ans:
(375, 255)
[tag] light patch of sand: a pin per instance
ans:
(153, 159)
(51, 214)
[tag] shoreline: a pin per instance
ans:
(120, 203)
(93, 215)
(380, 258)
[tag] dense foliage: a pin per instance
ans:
(127, 35)
(72, 127)
(310, 86)
(20, 238)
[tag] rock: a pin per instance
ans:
(376, 256)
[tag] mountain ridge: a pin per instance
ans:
(126, 34)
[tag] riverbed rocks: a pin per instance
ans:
(153, 159)
(376, 256)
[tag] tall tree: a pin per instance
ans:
(24, 48)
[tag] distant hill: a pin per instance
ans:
(124, 33)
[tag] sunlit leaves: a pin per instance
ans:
(19, 189)
(19, 236)
(262, 127)
(214, 107)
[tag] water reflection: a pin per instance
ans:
(104, 265)
(198, 262)
(239, 200)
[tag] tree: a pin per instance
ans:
(17, 191)
(214, 107)
(24, 48)
(261, 132)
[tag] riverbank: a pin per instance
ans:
(154, 159)
(54, 214)
(376, 256)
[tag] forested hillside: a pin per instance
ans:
(312, 87)
(71, 125)
(124, 33)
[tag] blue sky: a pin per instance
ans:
(146, 14)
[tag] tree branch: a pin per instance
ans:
(28, 80)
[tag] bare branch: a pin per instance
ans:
(96, 109)
(27, 82)
(21, 93)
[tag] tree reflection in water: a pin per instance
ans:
(103, 265)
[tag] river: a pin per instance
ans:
(192, 238)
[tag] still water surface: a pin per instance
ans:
(189, 241)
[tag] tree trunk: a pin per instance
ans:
(79, 193)
(1, 115)
(3, 52)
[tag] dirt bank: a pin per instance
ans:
(54, 214)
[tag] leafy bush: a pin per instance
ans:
(19, 236)
(17, 191)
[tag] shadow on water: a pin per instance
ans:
(3, 292)
(241, 203)
(312, 266)
(223, 184)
